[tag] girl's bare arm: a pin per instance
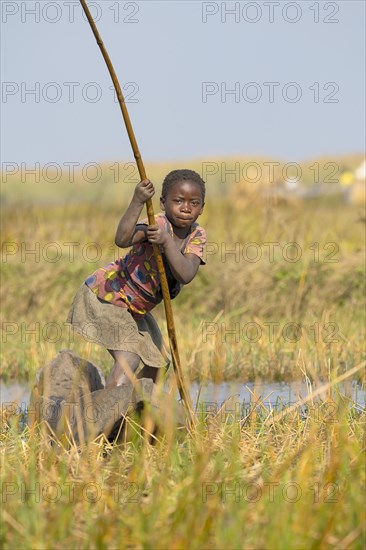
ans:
(127, 232)
(183, 266)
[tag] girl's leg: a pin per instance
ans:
(148, 372)
(124, 368)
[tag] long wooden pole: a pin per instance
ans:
(184, 394)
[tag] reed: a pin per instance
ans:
(267, 479)
(233, 483)
(242, 317)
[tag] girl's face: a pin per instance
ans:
(183, 203)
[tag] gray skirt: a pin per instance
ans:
(114, 328)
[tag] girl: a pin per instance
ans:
(112, 307)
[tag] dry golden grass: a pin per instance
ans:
(289, 480)
(283, 286)
(285, 481)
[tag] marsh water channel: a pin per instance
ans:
(233, 399)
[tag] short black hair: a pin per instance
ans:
(179, 175)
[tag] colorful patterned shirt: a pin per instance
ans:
(133, 281)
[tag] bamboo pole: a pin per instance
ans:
(184, 394)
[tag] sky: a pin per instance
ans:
(201, 79)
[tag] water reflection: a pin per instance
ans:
(278, 394)
(271, 395)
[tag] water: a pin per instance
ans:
(14, 393)
(272, 395)
(235, 401)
